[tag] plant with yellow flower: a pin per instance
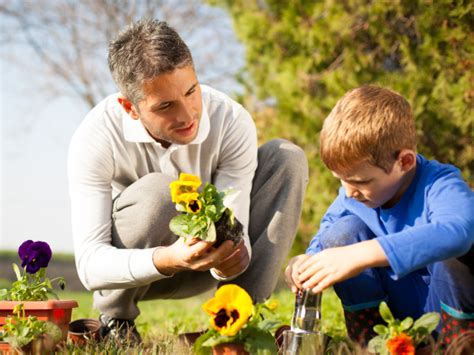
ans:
(204, 214)
(402, 337)
(236, 319)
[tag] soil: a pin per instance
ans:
(226, 231)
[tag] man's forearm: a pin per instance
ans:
(163, 261)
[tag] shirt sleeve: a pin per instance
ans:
(90, 170)
(334, 212)
(449, 232)
(236, 167)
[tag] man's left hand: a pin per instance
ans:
(235, 262)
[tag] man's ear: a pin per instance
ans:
(407, 159)
(128, 107)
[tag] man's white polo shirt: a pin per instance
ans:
(109, 151)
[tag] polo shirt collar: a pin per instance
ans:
(135, 132)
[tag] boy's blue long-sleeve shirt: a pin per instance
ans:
(433, 221)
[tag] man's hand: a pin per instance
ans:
(194, 254)
(292, 273)
(235, 263)
(334, 265)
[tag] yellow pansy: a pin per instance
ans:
(193, 206)
(187, 183)
(230, 309)
(187, 197)
(272, 304)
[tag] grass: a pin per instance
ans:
(161, 321)
(173, 317)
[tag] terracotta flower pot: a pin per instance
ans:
(42, 345)
(229, 349)
(190, 338)
(83, 330)
(279, 336)
(55, 311)
(5, 348)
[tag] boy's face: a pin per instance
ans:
(172, 107)
(373, 187)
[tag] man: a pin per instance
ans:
(133, 144)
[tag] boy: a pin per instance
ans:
(402, 227)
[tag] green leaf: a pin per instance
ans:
(269, 325)
(179, 225)
(211, 211)
(211, 233)
(376, 344)
(260, 341)
(16, 269)
(53, 330)
(231, 215)
(406, 323)
(217, 339)
(380, 329)
(385, 313)
(199, 347)
(429, 321)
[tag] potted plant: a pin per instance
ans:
(238, 326)
(32, 289)
(28, 334)
(403, 337)
(203, 214)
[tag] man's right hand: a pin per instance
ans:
(192, 254)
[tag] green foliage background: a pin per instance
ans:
(302, 56)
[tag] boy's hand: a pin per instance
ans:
(334, 265)
(292, 273)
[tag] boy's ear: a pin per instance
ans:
(128, 107)
(407, 159)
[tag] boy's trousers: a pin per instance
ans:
(447, 285)
(142, 212)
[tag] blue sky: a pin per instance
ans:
(34, 138)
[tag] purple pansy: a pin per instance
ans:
(34, 255)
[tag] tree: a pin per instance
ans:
(70, 38)
(302, 56)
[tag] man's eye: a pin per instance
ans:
(163, 107)
(190, 92)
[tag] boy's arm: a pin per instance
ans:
(333, 265)
(335, 211)
(448, 233)
(301, 272)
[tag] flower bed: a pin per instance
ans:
(56, 311)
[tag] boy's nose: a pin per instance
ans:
(351, 192)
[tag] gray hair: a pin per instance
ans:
(142, 51)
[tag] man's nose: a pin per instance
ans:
(186, 113)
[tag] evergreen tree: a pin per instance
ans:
(302, 56)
